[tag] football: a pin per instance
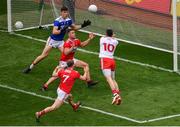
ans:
(92, 8)
(19, 25)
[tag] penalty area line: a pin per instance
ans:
(84, 107)
(96, 53)
(90, 108)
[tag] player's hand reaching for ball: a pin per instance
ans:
(86, 23)
(86, 42)
(91, 36)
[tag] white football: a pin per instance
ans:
(19, 25)
(92, 8)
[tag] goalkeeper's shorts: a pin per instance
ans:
(54, 43)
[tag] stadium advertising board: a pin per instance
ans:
(162, 6)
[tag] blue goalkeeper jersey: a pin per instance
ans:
(60, 22)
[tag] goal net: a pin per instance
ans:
(140, 22)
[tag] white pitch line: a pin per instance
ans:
(161, 118)
(96, 53)
(97, 110)
(125, 60)
(130, 61)
(133, 43)
(84, 107)
(98, 34)
(90, 108)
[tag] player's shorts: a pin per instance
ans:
(63, 64)
(108, 67)
(108, 63)
(108, 72)
(54, 44)
(61, 95)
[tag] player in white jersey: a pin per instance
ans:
(55, 40)
(107, 47)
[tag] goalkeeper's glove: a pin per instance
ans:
(86, 23)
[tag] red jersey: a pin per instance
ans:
(68, 77)
(68, 44)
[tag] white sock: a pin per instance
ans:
(31, 66)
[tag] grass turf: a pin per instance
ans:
(147, 93)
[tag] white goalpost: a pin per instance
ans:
(175, 44)
(9, 18)
(128, 31)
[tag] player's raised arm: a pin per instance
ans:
(84, 24)
(75, 27)
(86, 42)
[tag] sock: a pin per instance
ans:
(114, 92)
(118, 91)
(45, 86)
(31, 66)
(41, 113)
(70, 102)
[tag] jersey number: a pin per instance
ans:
(108, 47)
(65, 78)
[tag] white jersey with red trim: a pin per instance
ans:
(107, 47)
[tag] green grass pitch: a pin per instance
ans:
(147, 93)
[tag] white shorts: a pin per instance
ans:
(54, 44)
(109, 72)
(63, 64)
(61, 95)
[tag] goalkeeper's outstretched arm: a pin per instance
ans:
(75, 27)
(84, 24)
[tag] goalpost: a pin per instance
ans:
(160, 35)
(175, 44)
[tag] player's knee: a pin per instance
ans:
(108, 78)
(53, 107)
(86, 65)
(44, 55)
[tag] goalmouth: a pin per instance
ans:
(133, 25)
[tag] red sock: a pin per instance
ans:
(118, 91)
(42, 113)
(114, 91)
(45, 86)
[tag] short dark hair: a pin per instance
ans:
(70, 63)
(109, 32)
(69, 30)
(64, 8)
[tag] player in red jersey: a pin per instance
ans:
(70, 47)
(107, 47)
(68, 77)
(56, 39)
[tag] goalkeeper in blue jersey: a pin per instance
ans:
(55, 40)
